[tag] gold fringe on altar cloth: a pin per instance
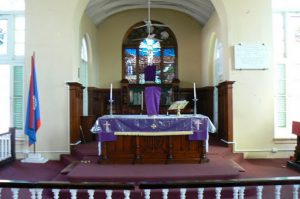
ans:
(155, 133)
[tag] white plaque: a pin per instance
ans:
(250, 56)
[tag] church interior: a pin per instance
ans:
(153, 92)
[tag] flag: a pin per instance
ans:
(33, 120)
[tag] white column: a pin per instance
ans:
(200, 193)
(5, 149)
(242, 192)
(127, 194)
(236, 192)
(15, 193)
(32, 191)
(259, 190)
(108, 194)
(55, 193)
(165, 193)
(73, 193)
(182, 193)
(295, 191)
(277, 191)
(9, 146)
(39, 193)
(91, 193)
(2, 148)
(218, 192)
(147, 193)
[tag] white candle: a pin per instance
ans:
(110, 94)
(142, 100)
(195, 90)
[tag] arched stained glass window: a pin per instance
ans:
(157, 48)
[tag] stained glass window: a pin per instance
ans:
(130, 65)
(149, 54)
(169, 64)
(141, 49)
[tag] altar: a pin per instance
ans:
(134, 139)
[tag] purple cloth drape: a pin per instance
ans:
(150, 73)
(152, 95)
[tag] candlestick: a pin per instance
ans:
(110, 106)
(110, 94)
(195, 90)
(195, 106)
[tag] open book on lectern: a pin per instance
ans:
(178, 105)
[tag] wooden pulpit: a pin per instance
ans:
(295, 160)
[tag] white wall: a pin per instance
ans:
(52, 32)
(89, 30)
(250, 22)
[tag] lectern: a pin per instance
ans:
(295, 161)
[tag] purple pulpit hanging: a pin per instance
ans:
(150, 73)
(152, 99)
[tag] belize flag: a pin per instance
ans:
(33, 120)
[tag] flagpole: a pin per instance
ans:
(33, 120)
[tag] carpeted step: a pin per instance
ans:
(68, 159)
(88, 149)
(90, 159)
(69, 168)
(217, 168)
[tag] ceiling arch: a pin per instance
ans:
(99, 10)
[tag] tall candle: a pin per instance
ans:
(142, 100)
(110, 95)
(195, 90)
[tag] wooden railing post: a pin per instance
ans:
(13, 142)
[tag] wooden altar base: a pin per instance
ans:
(153, 150)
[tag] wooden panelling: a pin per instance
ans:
(225, 117)
(87, 123)
(99, 105)
(98, 101)
(76, 110)
(205, 101)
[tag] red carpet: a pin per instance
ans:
(217, 168)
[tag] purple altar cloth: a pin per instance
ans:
(152, 99)
(107, 125)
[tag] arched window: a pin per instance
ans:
(154, 45)
(83, 75)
